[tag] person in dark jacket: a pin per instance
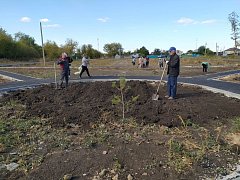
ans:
(173, 72)
(64, 67)
(70, 60)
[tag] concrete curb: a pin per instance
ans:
(215, 90)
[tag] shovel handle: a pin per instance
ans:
(161, 77)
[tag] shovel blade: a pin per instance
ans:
(155, 97)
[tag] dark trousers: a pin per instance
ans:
(161, 65)
(172, 86)
(147, 63)
(64, 75)
(204, 67)
(84, 68)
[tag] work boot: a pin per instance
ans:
(166, 96)
(170, 98)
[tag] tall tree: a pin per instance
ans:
(143, 51)
(157, 51)
(52, 50)
(233, 18)
(6, 45)
(113, 49)
(21, 37)
(70, 47)
(88, 50)
(203, 49)
(189, 51)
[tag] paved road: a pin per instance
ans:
(209, 80)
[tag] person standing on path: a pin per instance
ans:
(173, 72)
(64, 66)
(160, 62)
(85, 64)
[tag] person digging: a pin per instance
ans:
(205, 66)
(173, 72)
(64, 67)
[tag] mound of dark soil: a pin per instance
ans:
(83, 103)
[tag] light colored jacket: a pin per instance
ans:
(85, 61)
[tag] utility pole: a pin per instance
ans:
(44, 62)
(217, 49)
(205, 49)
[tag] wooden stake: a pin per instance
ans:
(55, 75)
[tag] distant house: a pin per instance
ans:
(232, 51)
(179, 52)
(117, 56)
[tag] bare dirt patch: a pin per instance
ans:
(78, 131)
(83, 103)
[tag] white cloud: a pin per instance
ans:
(25, 19)
(51, 26)
(44, 20)
(186, 21)
(209, 21)
(104, 20)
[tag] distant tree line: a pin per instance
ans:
(202, 50)
(21, 46)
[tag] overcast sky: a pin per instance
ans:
(185, 24)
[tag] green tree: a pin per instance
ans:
(88, 50)
(128, 53)
(113, 49)
(143, 51)
(52, 50)
(26, 39)
(121, 99)
(21, 47)
(6, 45)
(202, 50)
(70, 47)
(189, 51)
(157, 51)
(233, 18)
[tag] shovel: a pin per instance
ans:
(156, 96)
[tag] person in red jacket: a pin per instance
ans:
(64, 66)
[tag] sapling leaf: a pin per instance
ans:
(135, 98)
(113, 84)
(116, 100)
(122, 83)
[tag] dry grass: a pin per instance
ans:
(232, 78)
(124, 67)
